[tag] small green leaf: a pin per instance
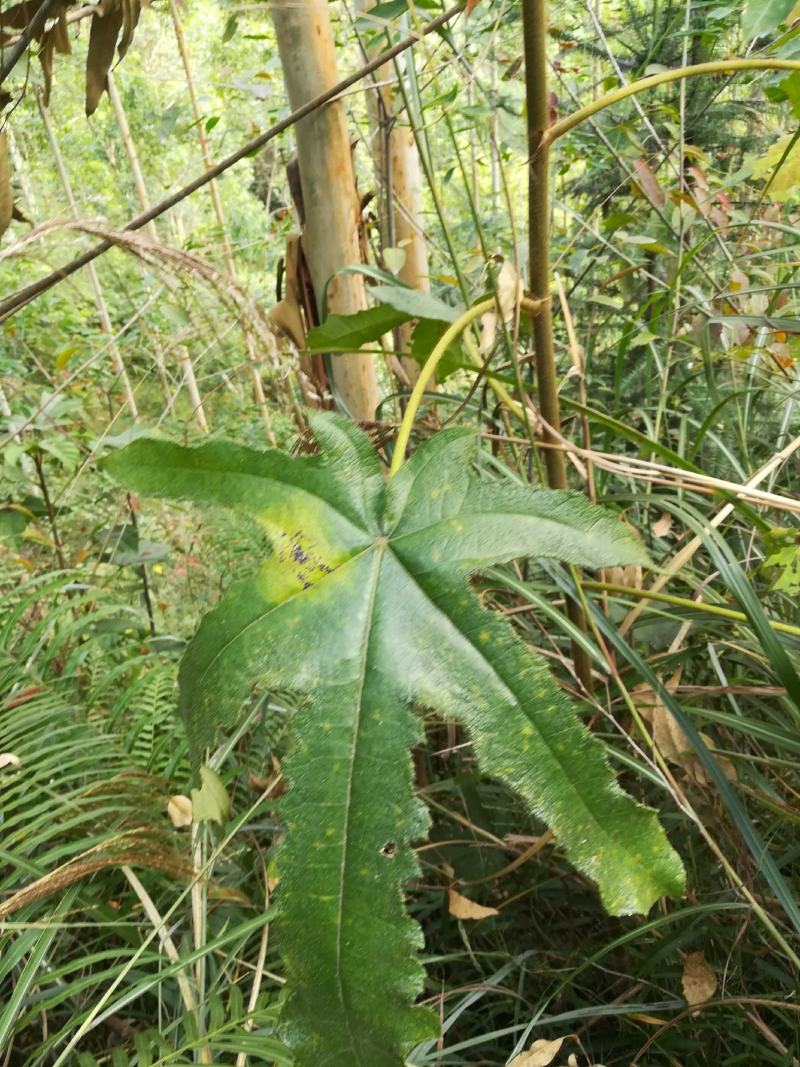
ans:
(414, 303)
(790, 89)
(782, 561)
(762, 17)
(426, 334)
(210, 803)
(12, 524)
(345, 333)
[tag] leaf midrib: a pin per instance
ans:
(357, 708)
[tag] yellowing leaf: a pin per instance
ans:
(210, 803)
(699, 981)
(179, 810)
(540, 1054)
(464, 908)
(65, 355)
(784, 181)
(395, 259)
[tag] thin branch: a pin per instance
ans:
(718, 66)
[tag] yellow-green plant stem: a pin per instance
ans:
(720, 66)
(429, 369)
(684, 602)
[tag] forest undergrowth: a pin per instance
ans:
(137, 901)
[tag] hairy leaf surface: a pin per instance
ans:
(364, 608)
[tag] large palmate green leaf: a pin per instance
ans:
(364, 608)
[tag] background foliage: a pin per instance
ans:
(675, 241)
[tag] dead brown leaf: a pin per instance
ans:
(672, 742)
(179, 809)
(540, 1054)
(46, 60)
(102, 42)
(630, 576)
(699, 981)
(662, 526)
(464, 908)
(648, 182)
(131, 10)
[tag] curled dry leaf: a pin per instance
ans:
(102, 42)
(699, 981)
(179, 810)
(287, 317)
(540, 1054)
(509, 292)
(464, 908)
(509, 289)
(8, 759)
(648, 182)
(672, 742)
(630, 576)
(662, 526)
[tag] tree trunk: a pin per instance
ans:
(331, 235)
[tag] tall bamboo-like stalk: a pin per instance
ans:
(331, 235)
(187, 368)
(534, 22)
(216, 203)
(117, 362)
(399, 177)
